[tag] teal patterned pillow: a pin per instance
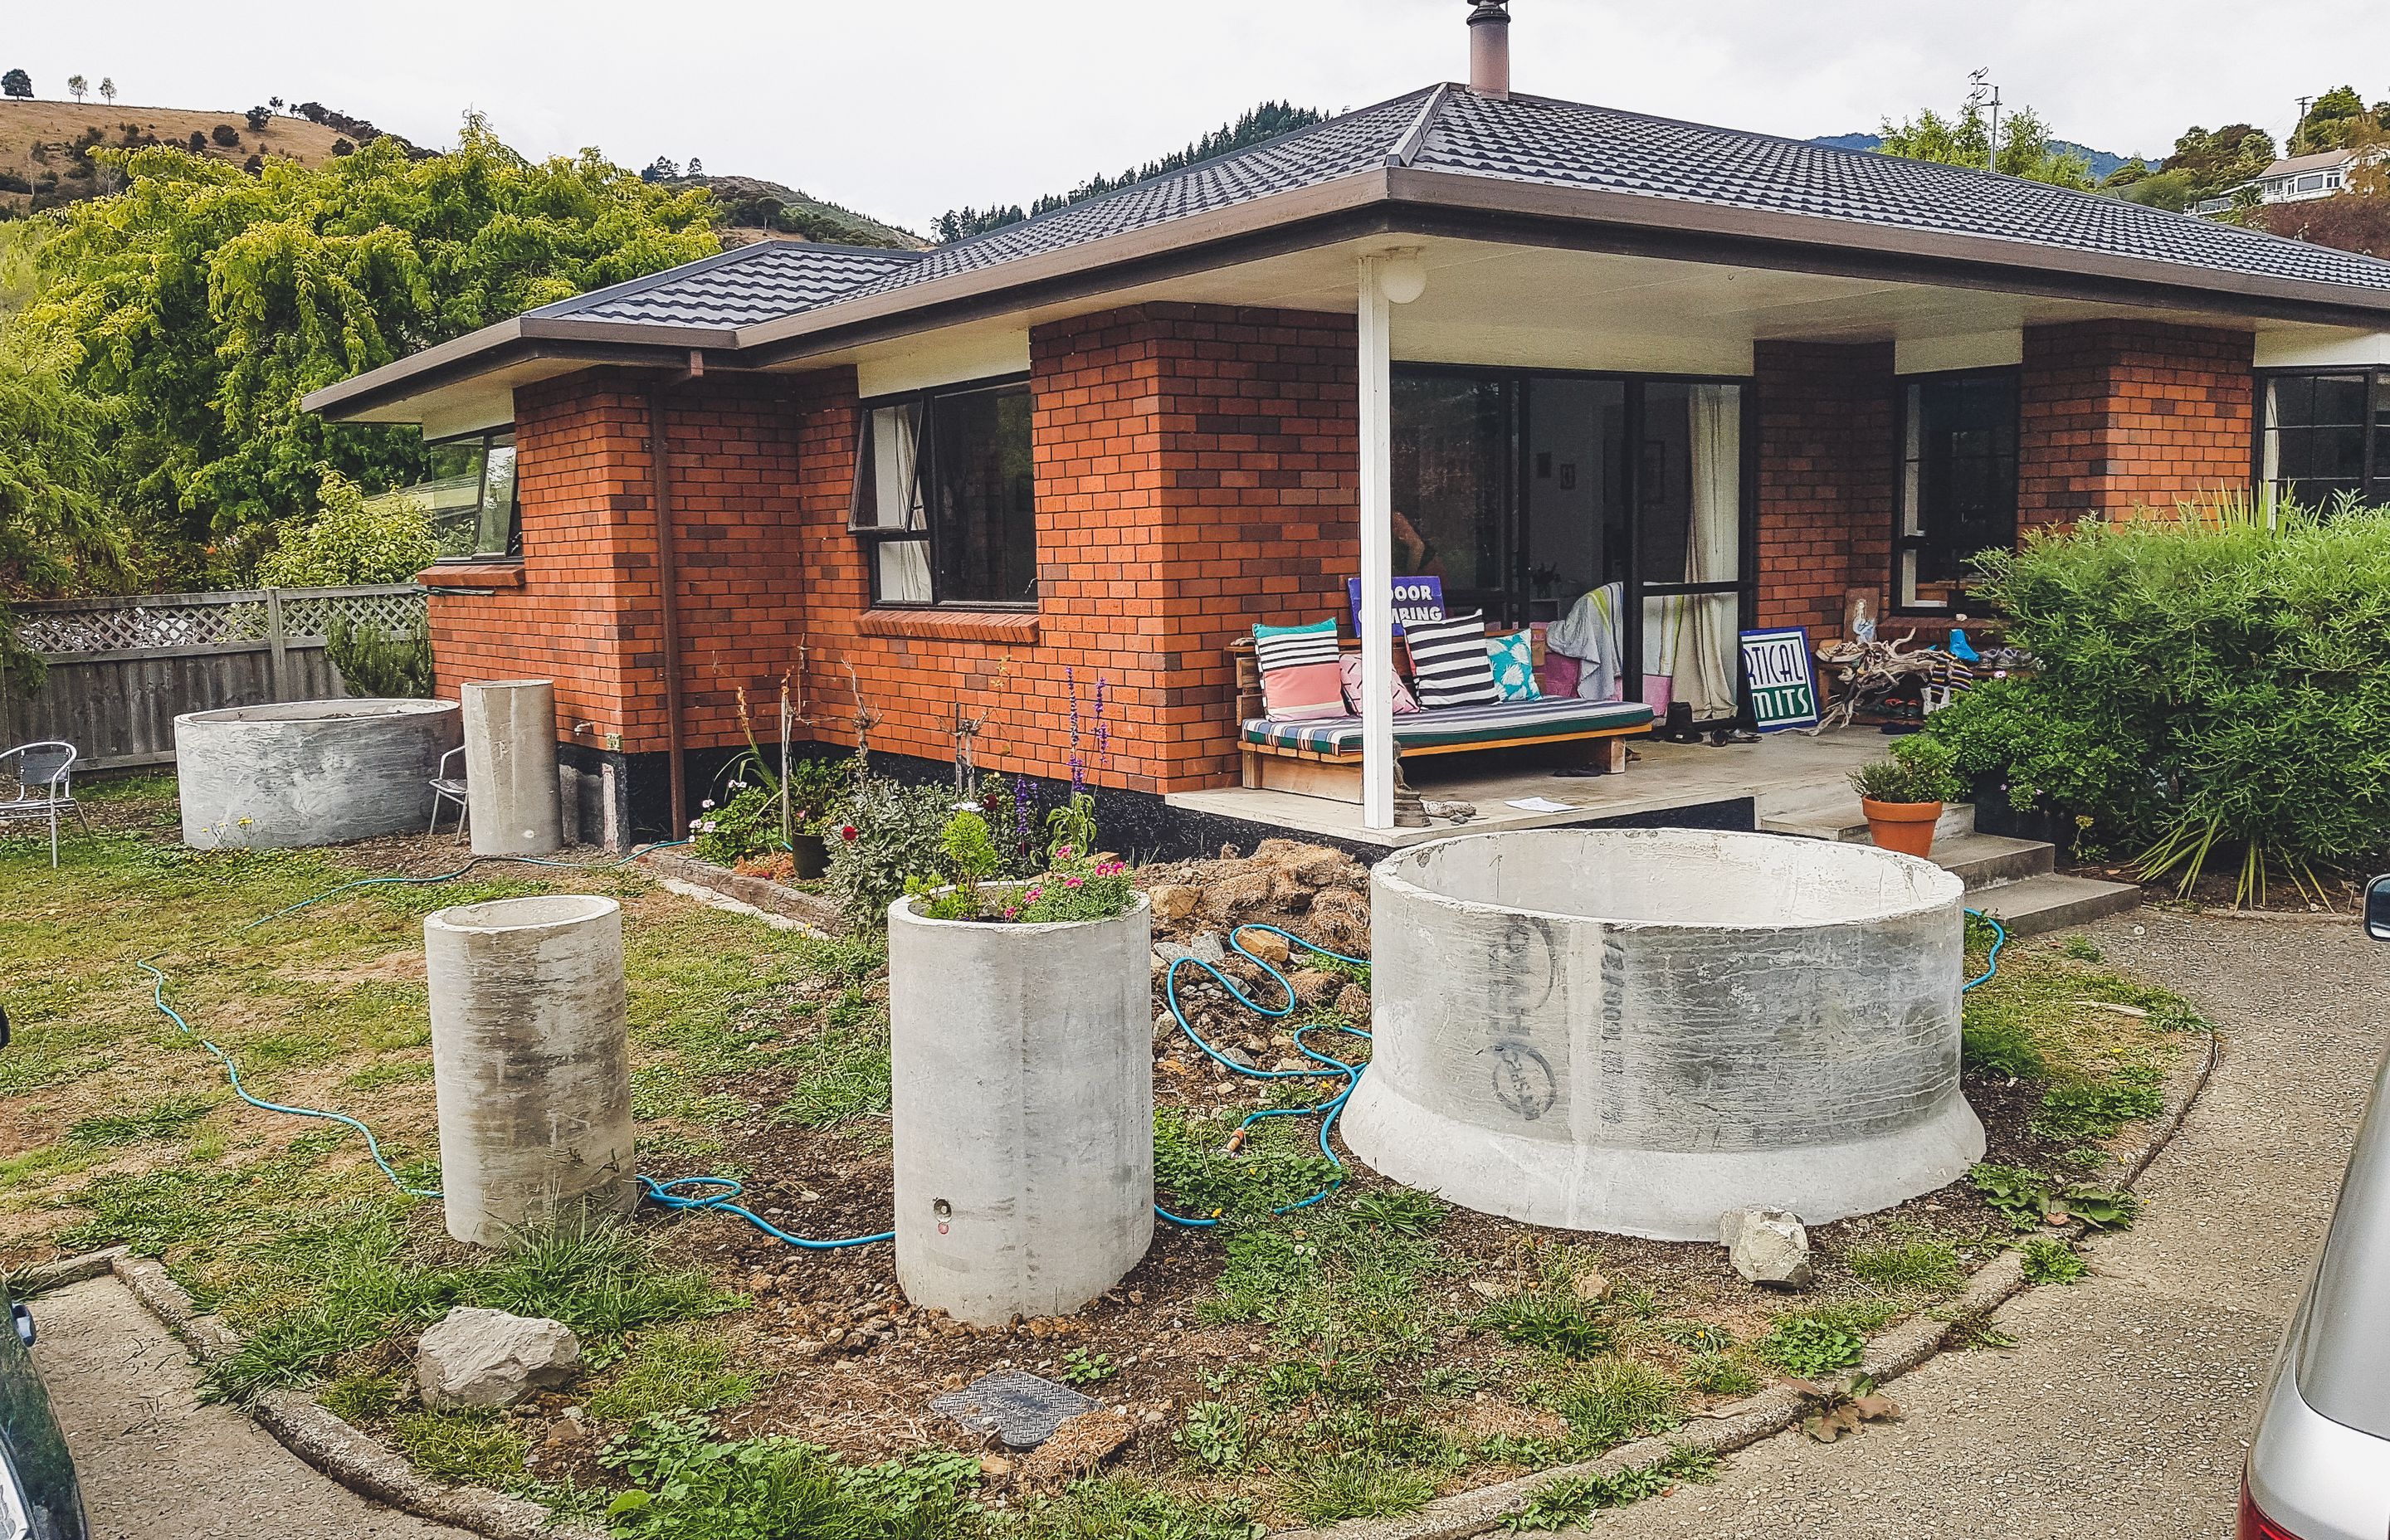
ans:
(1513, 657)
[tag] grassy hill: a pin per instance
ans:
(752, 209)
(42, 144)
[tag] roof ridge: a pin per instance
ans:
(1422, 125)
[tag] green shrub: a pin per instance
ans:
(354, 540)
(885, 835)
(1920, 770)
(748, 825)
(2210, 690)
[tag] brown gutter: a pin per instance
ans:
(668, 592)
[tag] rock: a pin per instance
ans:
(1235, 892)
(1174, 900)
(1312, 985)
(1767, 1246)
(1166, 1026)
(1268, 945)
(994, 1467)
(1491, 1288)
(474, 1357)
(1236, 1055)
(1352, 1001)
(1207, 947)
(1591, 1287)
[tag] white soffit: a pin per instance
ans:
(948, 357)
(1533, 347)
(446, 415)
(1977, 350)
(2321, 347)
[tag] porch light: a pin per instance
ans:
(1401, 277)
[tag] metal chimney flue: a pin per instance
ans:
(1489, 48)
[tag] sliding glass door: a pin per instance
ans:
(1609, 507)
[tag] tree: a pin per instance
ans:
(257, 117)
(660, 169)
(273, 102)
(18, 84)
(2026, 149)
(695, 166)
(387, 539)
(76, 87)
(2218, 163)
(226, 135)
(199, 143)
(202, 302)
(55, 536)
(2328, 121)
(107, 90)
(342, 147)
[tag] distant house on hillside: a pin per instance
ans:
(2298, 179)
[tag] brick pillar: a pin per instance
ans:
(1826, 478)
(2119, 415)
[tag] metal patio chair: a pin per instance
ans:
(40, 785)
(448, 787)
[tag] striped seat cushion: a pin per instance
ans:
(1448, 662)
(1340, 737)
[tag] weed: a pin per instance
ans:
(1611, 1399)
(1568, 1501)
(845, 1070)
(1843, 1406)
(1214, 1435)
(2082, 949)
(2081, 1111)
(1273, 1172)
(2028, 1198)
(1398, 1211)
(394, 1071)
(461, 1447)
(2001, 1049)
(1918, 1266)
(600, 1278)
(1450, 1379)
(361, 1397)
(2048, 1259)
(672, 1372)
(1720, 1373)
(688, 1484)
(1557, 1323)
(166, 1120)
(1813, 1344)
(1323, 1491)
(1117, 1507)
(1698, 1336)
(1081, 1367)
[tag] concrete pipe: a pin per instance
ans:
(1638, 1030)
(510, 783)
(309, 772)
(1022, 1060)
(530, 1060)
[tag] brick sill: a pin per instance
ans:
(1015, 626)
(472, 574)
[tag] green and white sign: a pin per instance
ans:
(1784, 680)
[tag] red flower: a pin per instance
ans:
(848, 831)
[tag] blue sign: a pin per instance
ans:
(1784, 680)
(1416, 598)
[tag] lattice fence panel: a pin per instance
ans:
(394, 611)
(172, 620)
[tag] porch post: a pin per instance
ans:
(1377, 549)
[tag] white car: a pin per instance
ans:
(2319, 1468)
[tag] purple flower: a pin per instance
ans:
(1103, 728)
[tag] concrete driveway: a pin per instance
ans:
(2123, 1412)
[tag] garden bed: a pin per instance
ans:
(1359, 1356)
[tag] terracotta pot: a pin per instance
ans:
(1904, 826)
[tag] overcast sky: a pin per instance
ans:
(904, 108)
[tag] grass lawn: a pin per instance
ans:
(1356, 1358)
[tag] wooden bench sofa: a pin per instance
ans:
(1322, 758)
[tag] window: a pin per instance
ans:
(1958, 481)
(2325, 437)
(945, 497)
(471, 496)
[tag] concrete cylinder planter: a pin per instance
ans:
(1638, 1030)
(530, 1060)
(1022, 1061)
(309, 772)
(514, 800)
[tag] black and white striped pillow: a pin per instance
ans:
(1449, 666)
(1278, 646)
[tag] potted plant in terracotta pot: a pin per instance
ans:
(1903, 795)
(1021, 1020)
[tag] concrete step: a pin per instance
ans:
(1835, 815)
(1984, 860)
(2053, 902)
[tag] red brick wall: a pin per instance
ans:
(1825, 496)
(2117, 414)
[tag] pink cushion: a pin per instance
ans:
(1561, 675)
(1305, 692)
(1354, 695)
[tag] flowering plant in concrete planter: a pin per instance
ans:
(1077, 884)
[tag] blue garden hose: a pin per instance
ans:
(663, 1193)
(1992, 962)
(1331, 1109)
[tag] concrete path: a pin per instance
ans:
(155, 1464)
(2122, 1413)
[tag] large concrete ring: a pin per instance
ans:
(310, 772)
(1636, 1030)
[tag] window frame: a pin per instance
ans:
(1903, 541)
(2374, 423)
(873, 536)
(487, 437)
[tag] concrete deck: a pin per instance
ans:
(1787, 769)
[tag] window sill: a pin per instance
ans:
(1017, 627)
(471, 574)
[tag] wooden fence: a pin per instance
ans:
(121, 670)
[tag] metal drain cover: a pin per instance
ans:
(1015, 1405)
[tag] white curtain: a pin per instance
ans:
(2269, 480)
(1691, 638)
(895, 447)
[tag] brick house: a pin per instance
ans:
(1530, 345)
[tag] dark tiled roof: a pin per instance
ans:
(739, 287)
(1565, 143)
